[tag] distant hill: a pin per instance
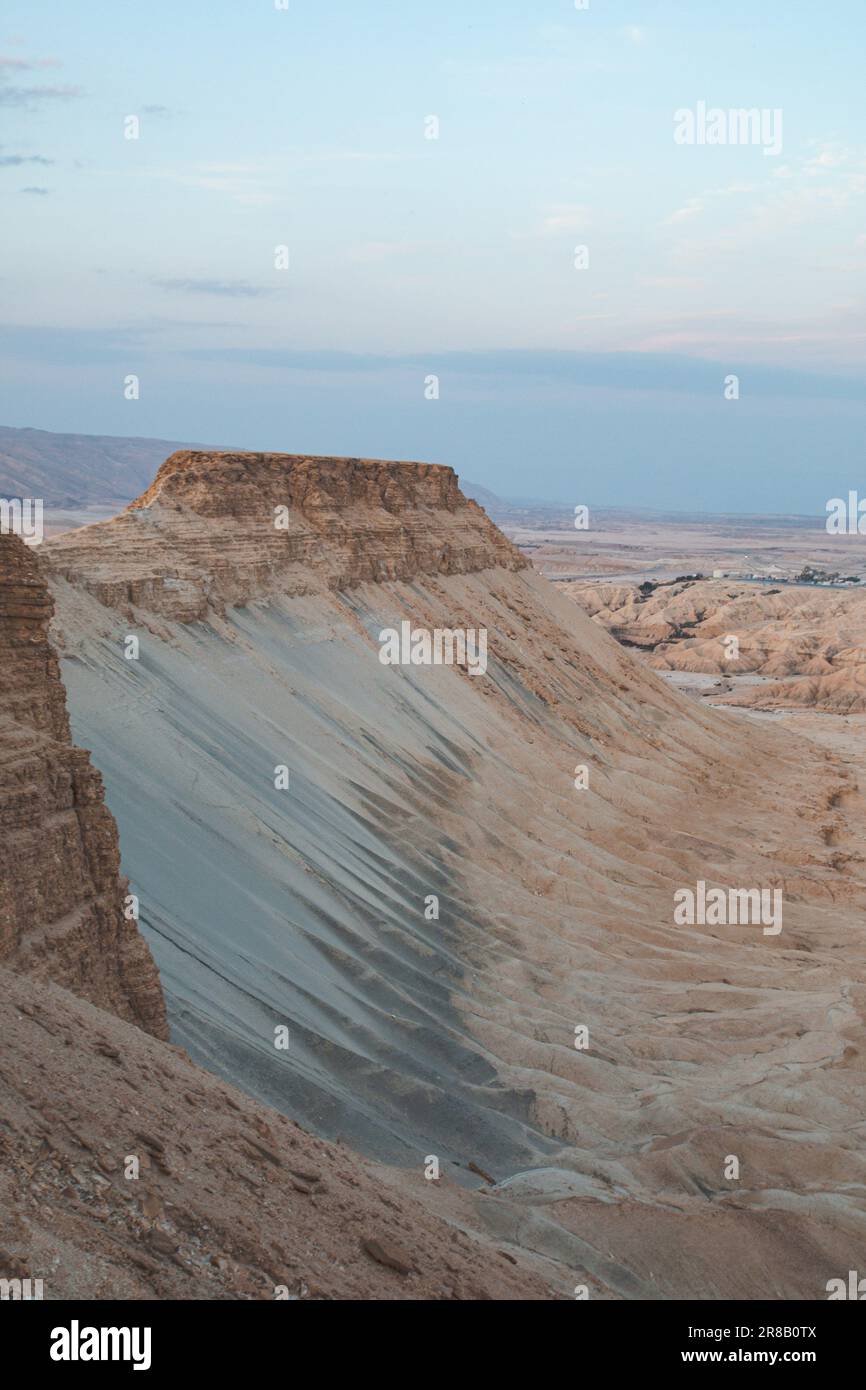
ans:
(524, 513)
(482, 495)
(69, 470)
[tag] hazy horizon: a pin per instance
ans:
(467, 482)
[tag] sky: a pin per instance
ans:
(582, 284)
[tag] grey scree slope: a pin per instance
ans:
(306, 907)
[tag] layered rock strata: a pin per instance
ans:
(62, 914)
(216, 529)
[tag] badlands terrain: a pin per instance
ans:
(454, 892)
(806, 645)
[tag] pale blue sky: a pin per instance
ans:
(454, 256)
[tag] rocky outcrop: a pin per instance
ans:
(807, 644)
(231, 1201)
(61, 895)
(220, 529)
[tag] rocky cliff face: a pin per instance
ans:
(218, 529)
(61, 895)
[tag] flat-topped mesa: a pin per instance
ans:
(61, 894)
(240, 484)
(217, 529)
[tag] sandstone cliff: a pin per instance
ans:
(61, 896)
(218, 529)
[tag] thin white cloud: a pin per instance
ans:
(382, 252)
(264, 182)
(566, 219)
(693, 207)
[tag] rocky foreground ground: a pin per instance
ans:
(128, 1172)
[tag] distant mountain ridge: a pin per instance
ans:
(71, 470)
